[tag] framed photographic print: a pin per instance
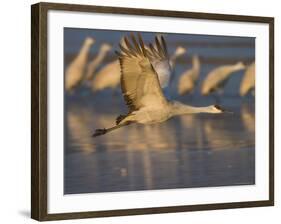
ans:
(139, 111)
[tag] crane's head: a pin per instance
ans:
(240, 65)
(89, 41)
(217, 109)
(105, 47)
(180, 51)
(196, 61)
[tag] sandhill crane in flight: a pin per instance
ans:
(217, 78)
(75, 71)
(142, 92)
(248, 81)
(109, 75)
(97, 60)
(189, 78)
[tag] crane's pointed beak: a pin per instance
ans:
(227, 111)
(223, 110)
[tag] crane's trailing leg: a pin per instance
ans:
(99, 132)
(106, 130)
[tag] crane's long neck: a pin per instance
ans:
(181, 109)
(84, 51)
(234, 68)
(99, 58)
(95, 63)
(172, 62)
(196, 67)
(173, 59)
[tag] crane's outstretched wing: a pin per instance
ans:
(159, 58)
(139, 81)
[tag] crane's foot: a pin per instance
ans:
(99, 132)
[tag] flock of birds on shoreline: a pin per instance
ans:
(145, 72)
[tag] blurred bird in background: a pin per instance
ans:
(188, 79)
(97, 61)
(76, 69)
(248, 80)
(218, 77)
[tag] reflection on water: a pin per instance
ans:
(188, 151)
